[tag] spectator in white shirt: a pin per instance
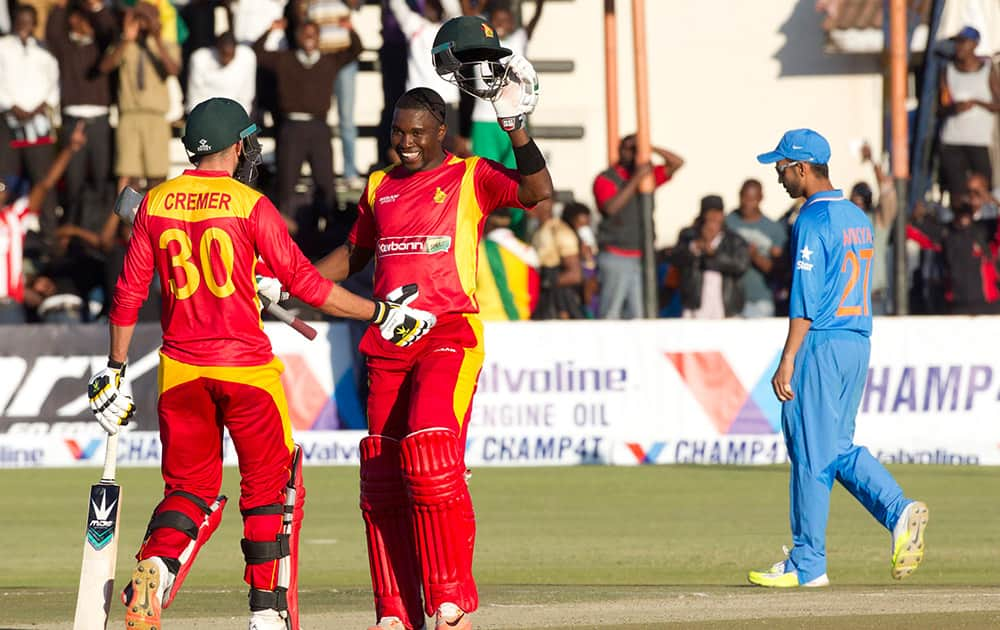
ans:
(420, 30)
(29, 91)
(227, 69)
(253, 18)
(486, 138)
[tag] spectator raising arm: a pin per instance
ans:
(671, 161)
(36, 198)
(268, 59)
(530, 26)
(619, 200)
(885, 211)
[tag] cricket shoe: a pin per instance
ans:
(143, 595)
(783, 575)
(451, 617)
(908, 539)
(389, 623)
(269, 619)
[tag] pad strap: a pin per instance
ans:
(264, 600)
(173, 520)
(259, 552)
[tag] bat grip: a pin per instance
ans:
(300, 326)
(110, 458)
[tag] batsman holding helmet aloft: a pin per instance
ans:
(203, 233)
(422, 220)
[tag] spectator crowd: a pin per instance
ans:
(92, 92)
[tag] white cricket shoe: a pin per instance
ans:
(908, 539)
(451, 617)
(269, 619)
(388, 623)
(780, 575)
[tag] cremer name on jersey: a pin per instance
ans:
(857, 236)
(196, 201)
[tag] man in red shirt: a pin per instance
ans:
(202, 233)
(17, 215)
(422, 220)
(619, 233)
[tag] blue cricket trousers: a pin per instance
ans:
(830, 372)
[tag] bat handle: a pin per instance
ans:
(110, 458)
(283, 315)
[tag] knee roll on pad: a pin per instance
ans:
(385, 507)
(191, 516)
(443, 519)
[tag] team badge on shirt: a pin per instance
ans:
(439, 195)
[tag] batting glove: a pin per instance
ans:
(269, 290)
(519, 96)
(399, 323)
(111, 407)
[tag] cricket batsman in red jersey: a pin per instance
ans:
(202, 233)
(422, 220)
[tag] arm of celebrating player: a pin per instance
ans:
(345, 261)
(535, 185)
(512, 104)
(357, 252)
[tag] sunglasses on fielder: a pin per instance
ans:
(781, 169)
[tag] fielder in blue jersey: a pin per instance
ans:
(823, 369)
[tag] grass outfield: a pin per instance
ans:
(582, 547)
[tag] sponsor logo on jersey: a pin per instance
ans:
(394, 246)
(388, 198)
(805, 254)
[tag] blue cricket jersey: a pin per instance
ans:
(832, 251)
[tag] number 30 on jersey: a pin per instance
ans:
(195, 270)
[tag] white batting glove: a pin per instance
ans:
(399, 323)
(519, 96)
(111, 407)
(269, 290)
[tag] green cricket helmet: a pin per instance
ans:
(217, 124)
(467, 53)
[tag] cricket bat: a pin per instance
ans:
(100, 547)
(126, 207)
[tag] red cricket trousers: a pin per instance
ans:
(419, 521)
(428, 385)
(195, 403)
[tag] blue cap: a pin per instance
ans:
(968, 33)
(799, 145)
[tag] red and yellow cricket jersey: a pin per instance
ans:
(425, 227)
(202, 232)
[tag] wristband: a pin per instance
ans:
(115, 365)
(529, 158)
(381, 311)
